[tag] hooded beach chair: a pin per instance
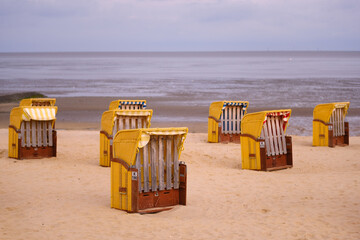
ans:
(32, 129)
(264, 145)
(224, 121)
(115, 120)
(329, 126)
(128, 104)
(146, 174)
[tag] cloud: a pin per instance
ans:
(51, 25)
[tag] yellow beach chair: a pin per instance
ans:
(329, 126)
(146, 174)
(128, 104)
(115, 120)
(224, 121)
(264, 145)
(32, 129)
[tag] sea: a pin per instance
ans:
(268, 80)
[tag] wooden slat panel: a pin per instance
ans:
(146, 167)
(33, 133)
(139, 122)
(38, 133)
(337, 122)
(223, 121)
(169, 161)
(332, 121)
(138, 167)
(45, 135)
(154, 156)
(233, 120)
(238, 122)
(283, 135)
(115, 128)
(270, 134)
(22, 130)
(127, 123)
(161, 163)
(278, 133)
(342, 122)
(50, 134)
(176, 162)
(27, 130)
(273, 130)
(133, 122)
(267, 139)
(227, 120)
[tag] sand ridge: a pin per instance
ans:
(68, 197)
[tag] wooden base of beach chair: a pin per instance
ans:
(277, 162)
(339, 140)
(37, 152)
(152, 202)
(228, 137)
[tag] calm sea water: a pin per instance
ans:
(266, 79)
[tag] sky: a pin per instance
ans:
(179, 25)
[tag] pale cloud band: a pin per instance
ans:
(149, 25)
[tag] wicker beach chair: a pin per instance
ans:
(115, 120)
(264, 145)
(224, 121)
(146, 174)
(329, 126)
(32, 131)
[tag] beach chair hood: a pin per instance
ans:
(127, 142)
(216, 108)
(37, 101)
(117, 103)
(19, 114)
(252, 123)
(323, 111)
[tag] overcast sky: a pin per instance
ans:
(179, 25)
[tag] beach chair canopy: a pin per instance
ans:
(133, 139)
(19, 114)
(118, 104)
(108, 117)
(323, 111)
(216, 108)
(252, 123)
(38, 102)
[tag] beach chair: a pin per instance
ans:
(115, 120)
(329, 126)
(224, 121)
(264, 145)
(127, 104)
(32, 131)
(146, 174)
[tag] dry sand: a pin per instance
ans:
(68, 197)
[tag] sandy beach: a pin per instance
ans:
(68, 197)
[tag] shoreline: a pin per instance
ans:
(84, 113)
